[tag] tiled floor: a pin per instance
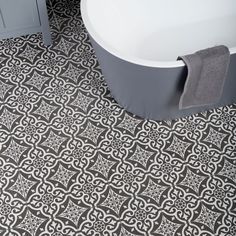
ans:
(72, 162)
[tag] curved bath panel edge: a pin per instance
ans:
(154, 93)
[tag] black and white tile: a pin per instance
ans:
(73, 162)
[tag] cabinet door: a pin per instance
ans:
(19, 14)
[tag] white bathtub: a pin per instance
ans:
(138, 41)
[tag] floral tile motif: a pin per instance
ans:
(37, 80)
(53, 141)
(4, 88)
(45, 109)
(129, 123)
(154, 191)
(64, 46)
(72, 212)
(114, 201)
(208, 218)
(8, 118)
(14, 150)
(178, 146)
(168, 227)
(229, 170)
(92, 132)
(73, 72)
(81, 101)
(63, 176)
(22, 185)
(193, 181)
(215, 137)
(73, 162)
(30, 224)
(141, 156)
(102, 166)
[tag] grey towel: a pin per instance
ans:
(207, 71)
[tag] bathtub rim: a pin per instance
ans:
(122, 56)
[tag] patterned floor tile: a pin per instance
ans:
(73, 162)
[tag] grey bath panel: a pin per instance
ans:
(22, 17)
(154, 93)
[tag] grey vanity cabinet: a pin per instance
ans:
(22, 17)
